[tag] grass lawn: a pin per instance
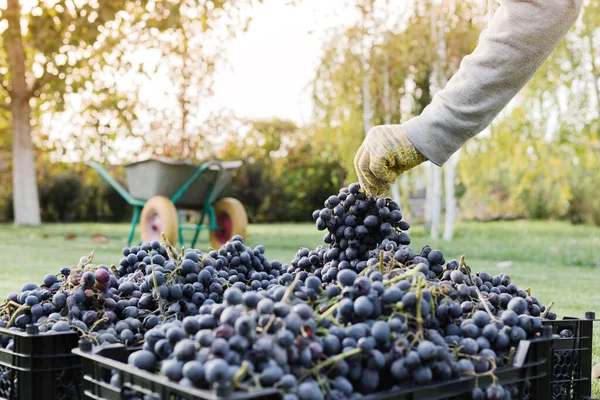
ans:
(560, 262)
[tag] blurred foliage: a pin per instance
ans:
(73, 192)
(73, 64)
(285, 174)
(543, 156)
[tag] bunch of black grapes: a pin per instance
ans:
(120, 303)
(394, 326)
(356, 224)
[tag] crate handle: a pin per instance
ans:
(126, 387)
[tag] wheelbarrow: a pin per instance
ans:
(158, 187)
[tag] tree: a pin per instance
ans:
(41, 65)
(56, 50)
(542, 158)
(25, 201)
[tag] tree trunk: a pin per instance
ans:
(387, 105)
(429, 195)
(449, 176)
(436, 201)
(434, 188)
(25, 194)
(366, 103)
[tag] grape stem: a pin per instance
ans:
(485, 305)
(19, 311)
(101, 320)
(269, 324)
(289, 290)
(491, 371)
(547, 310)
(329, 311)
(239, 375)
(381, 261)
(330, 361)
(158, 297)
(88, 260)
(171, 250)
(418, 295)
(401, 277)
(464, 264)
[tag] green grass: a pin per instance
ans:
(558, 261)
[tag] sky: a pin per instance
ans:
(271, 66)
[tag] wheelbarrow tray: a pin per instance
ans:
(165, 176)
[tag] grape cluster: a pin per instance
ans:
(356, 224)
(120, 303)
(390, 327)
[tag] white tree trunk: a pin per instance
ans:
(434, 188)
(436, 201)
(367, 112)
(429, 195)
(449, 177)
(25, 193)
(387, 105)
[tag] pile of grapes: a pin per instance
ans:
(150, 284)
(363, 314)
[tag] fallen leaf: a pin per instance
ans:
(99, 238)
(596, 372)
(504, 264)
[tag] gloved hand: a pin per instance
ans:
(385, 153)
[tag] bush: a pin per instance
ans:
(73, 193)
(287, 189)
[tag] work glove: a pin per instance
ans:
(385, 153)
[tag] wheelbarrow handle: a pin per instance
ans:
(115, 185)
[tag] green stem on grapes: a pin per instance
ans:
(511, 354)
(490, 372)
(101, 320)
(88, 260)
(257, 382)
(158, 297)
(329, 312)
(290, 290)
(269, 324)
(381, 261)
(464, 264)
(19, 311)
(171, 250)
(400, 277)
(238, 375)
(314, 370)
(547, 310)
(485, 305)
(418, 295)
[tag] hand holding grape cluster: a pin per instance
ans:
(385, 153)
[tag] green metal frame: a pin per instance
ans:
(206, 209)
(139, 204)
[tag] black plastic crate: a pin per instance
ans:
(527, 378)
(570, 365)
(39, 366)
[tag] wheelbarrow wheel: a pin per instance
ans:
(232, 217)
(159, 215)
